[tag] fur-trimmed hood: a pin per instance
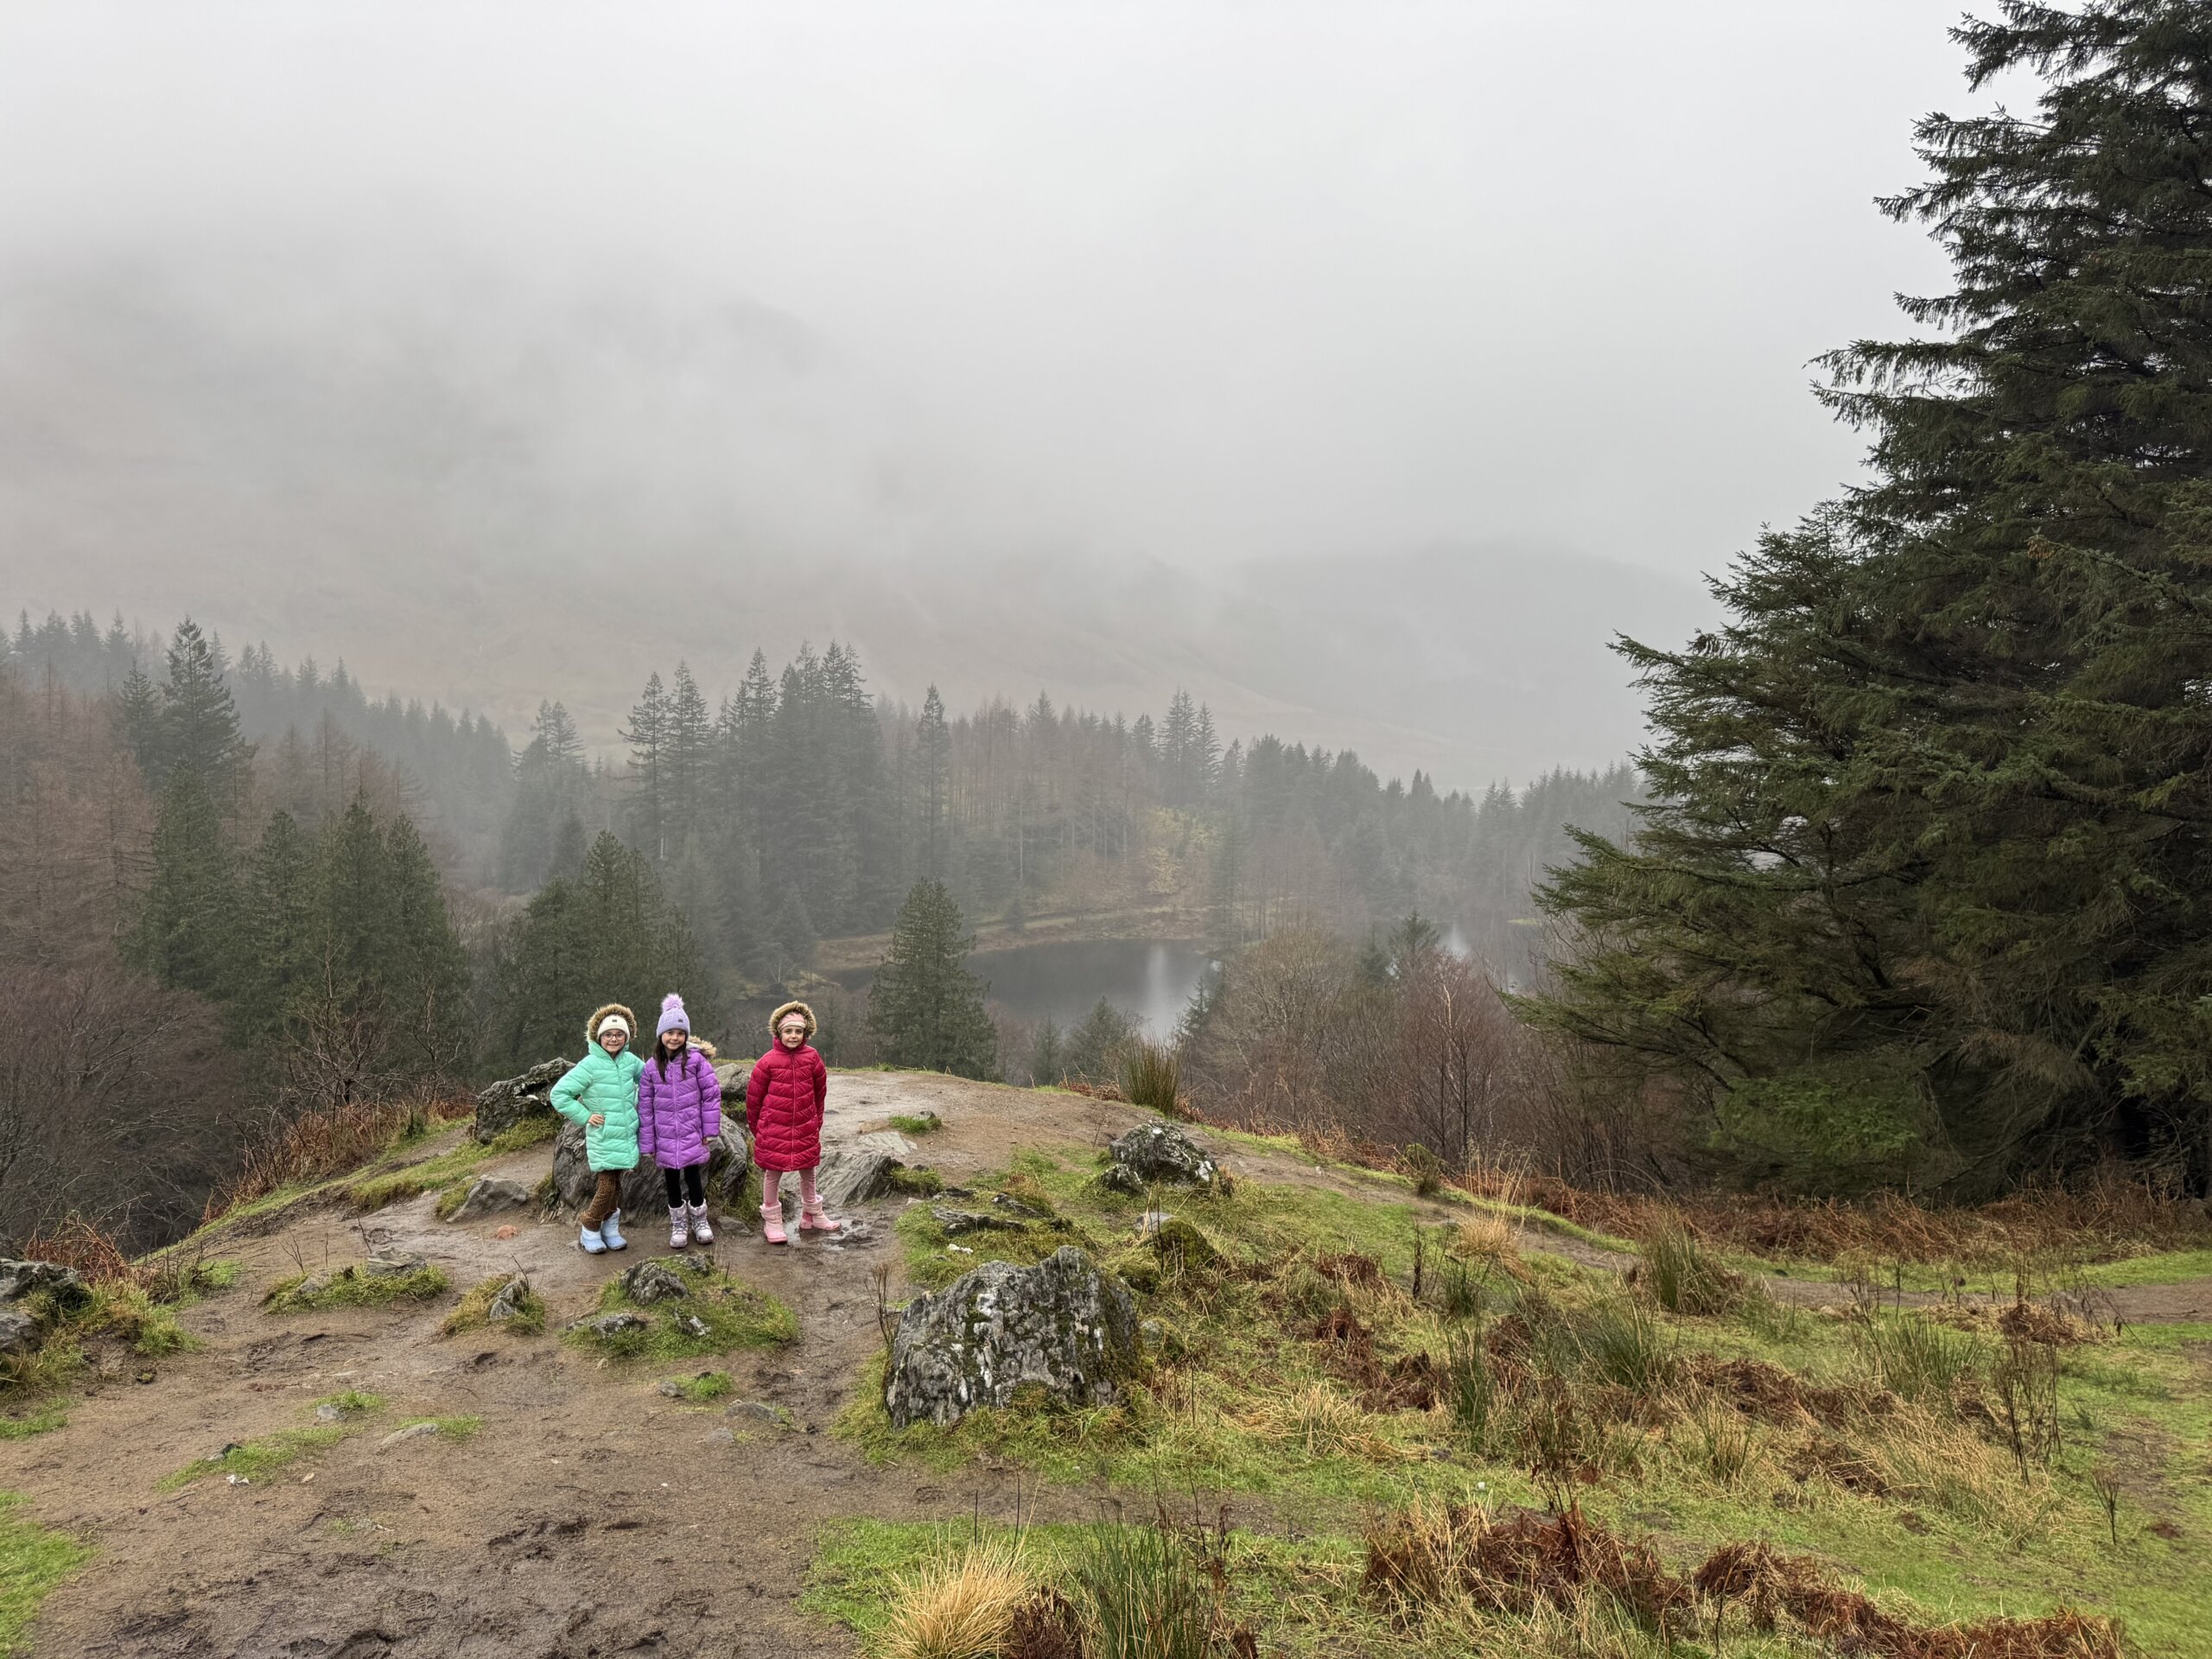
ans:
(775, 1020)
(599, 1018)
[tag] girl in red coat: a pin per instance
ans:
(782, 1105)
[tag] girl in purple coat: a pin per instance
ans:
(679, 1115)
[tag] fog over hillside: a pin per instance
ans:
(491, 492)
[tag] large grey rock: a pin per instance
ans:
(853, 1175)
(507, 1103)
(1156, 1154)
(644, 1196)
(1061, 1324)
(18, 1331)
(488, 1195)
(19, 1279)
(733, 1075)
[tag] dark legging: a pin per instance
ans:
(678, 1180)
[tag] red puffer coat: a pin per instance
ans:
(782, 1105)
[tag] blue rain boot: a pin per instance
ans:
(611, 1230)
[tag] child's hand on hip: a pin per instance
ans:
(595, 1119)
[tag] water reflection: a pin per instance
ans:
(1063, 981)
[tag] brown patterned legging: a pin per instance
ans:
(606, 1198)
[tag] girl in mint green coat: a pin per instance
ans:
(600, 1091)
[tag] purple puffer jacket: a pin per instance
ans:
(679, 1114)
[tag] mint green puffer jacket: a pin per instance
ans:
(605, 1084)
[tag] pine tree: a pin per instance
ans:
(138, 718)
(647, 736)
(199, 722)
(279, 932)
(687, 756)
(1927, 889)
(933, 762)
(925, 1008)
(188, 931)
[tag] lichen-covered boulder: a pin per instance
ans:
(1062, 1325)
(643, 1193)
(1156, 1154)
(19, 1332)
(507, 1103)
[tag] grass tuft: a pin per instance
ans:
(472, 1311)
(729, 1314)
(916, 1123)
(961, 1605)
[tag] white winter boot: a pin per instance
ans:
(699, 1230)
(679, 1226)
(611, 1230)
(592, 1242)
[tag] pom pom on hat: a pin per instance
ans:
(672, 1017)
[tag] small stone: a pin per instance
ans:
(328, 1414)
(722, 1437)
(401, 1436)
(392, 1264)
(314, 1285)
(670, 1388)
(691, 1326)
(508, 1231)
(762, 1411)
(146, 1374)
(649, 1281)
(612, 1325)
(957, 1222)
(508, 1301)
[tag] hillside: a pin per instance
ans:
(440, 487)
(563, 1502)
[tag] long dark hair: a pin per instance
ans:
(660, 1049)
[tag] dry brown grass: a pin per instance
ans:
(94, 1254)
(2105, 1220)
(1325, 1423)
(330, 1141)
(961, 1606)
(1446, 1560)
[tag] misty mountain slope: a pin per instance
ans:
(489, 498)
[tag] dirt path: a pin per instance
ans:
(589, 1516)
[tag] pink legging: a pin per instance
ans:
(772, 1188)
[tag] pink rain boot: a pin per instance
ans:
(772, 1223)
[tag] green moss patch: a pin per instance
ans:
(352, 1287)
(703, 1389)
(257, 1459)
(719, 1313)
(34, 1560)
(917, 1123)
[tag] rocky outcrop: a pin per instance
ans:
(19, 1279)
(488, 1195)
(853, 1175)
(650, 1282)
(1061, 1325)
(511, 1302)
(506, 1104)
(643, 1195)
(1156, 1154)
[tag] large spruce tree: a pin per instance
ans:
(1926, 893)
(925, 1008)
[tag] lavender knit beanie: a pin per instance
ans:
(672, 1017)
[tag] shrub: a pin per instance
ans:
(1682, 1278)
(1470, 1387)
(1916, 1358)
(1147, 1594)
(1152, 1076)
(1425, 1168)
(1623, 1344)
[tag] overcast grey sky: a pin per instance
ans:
(1208, 281)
